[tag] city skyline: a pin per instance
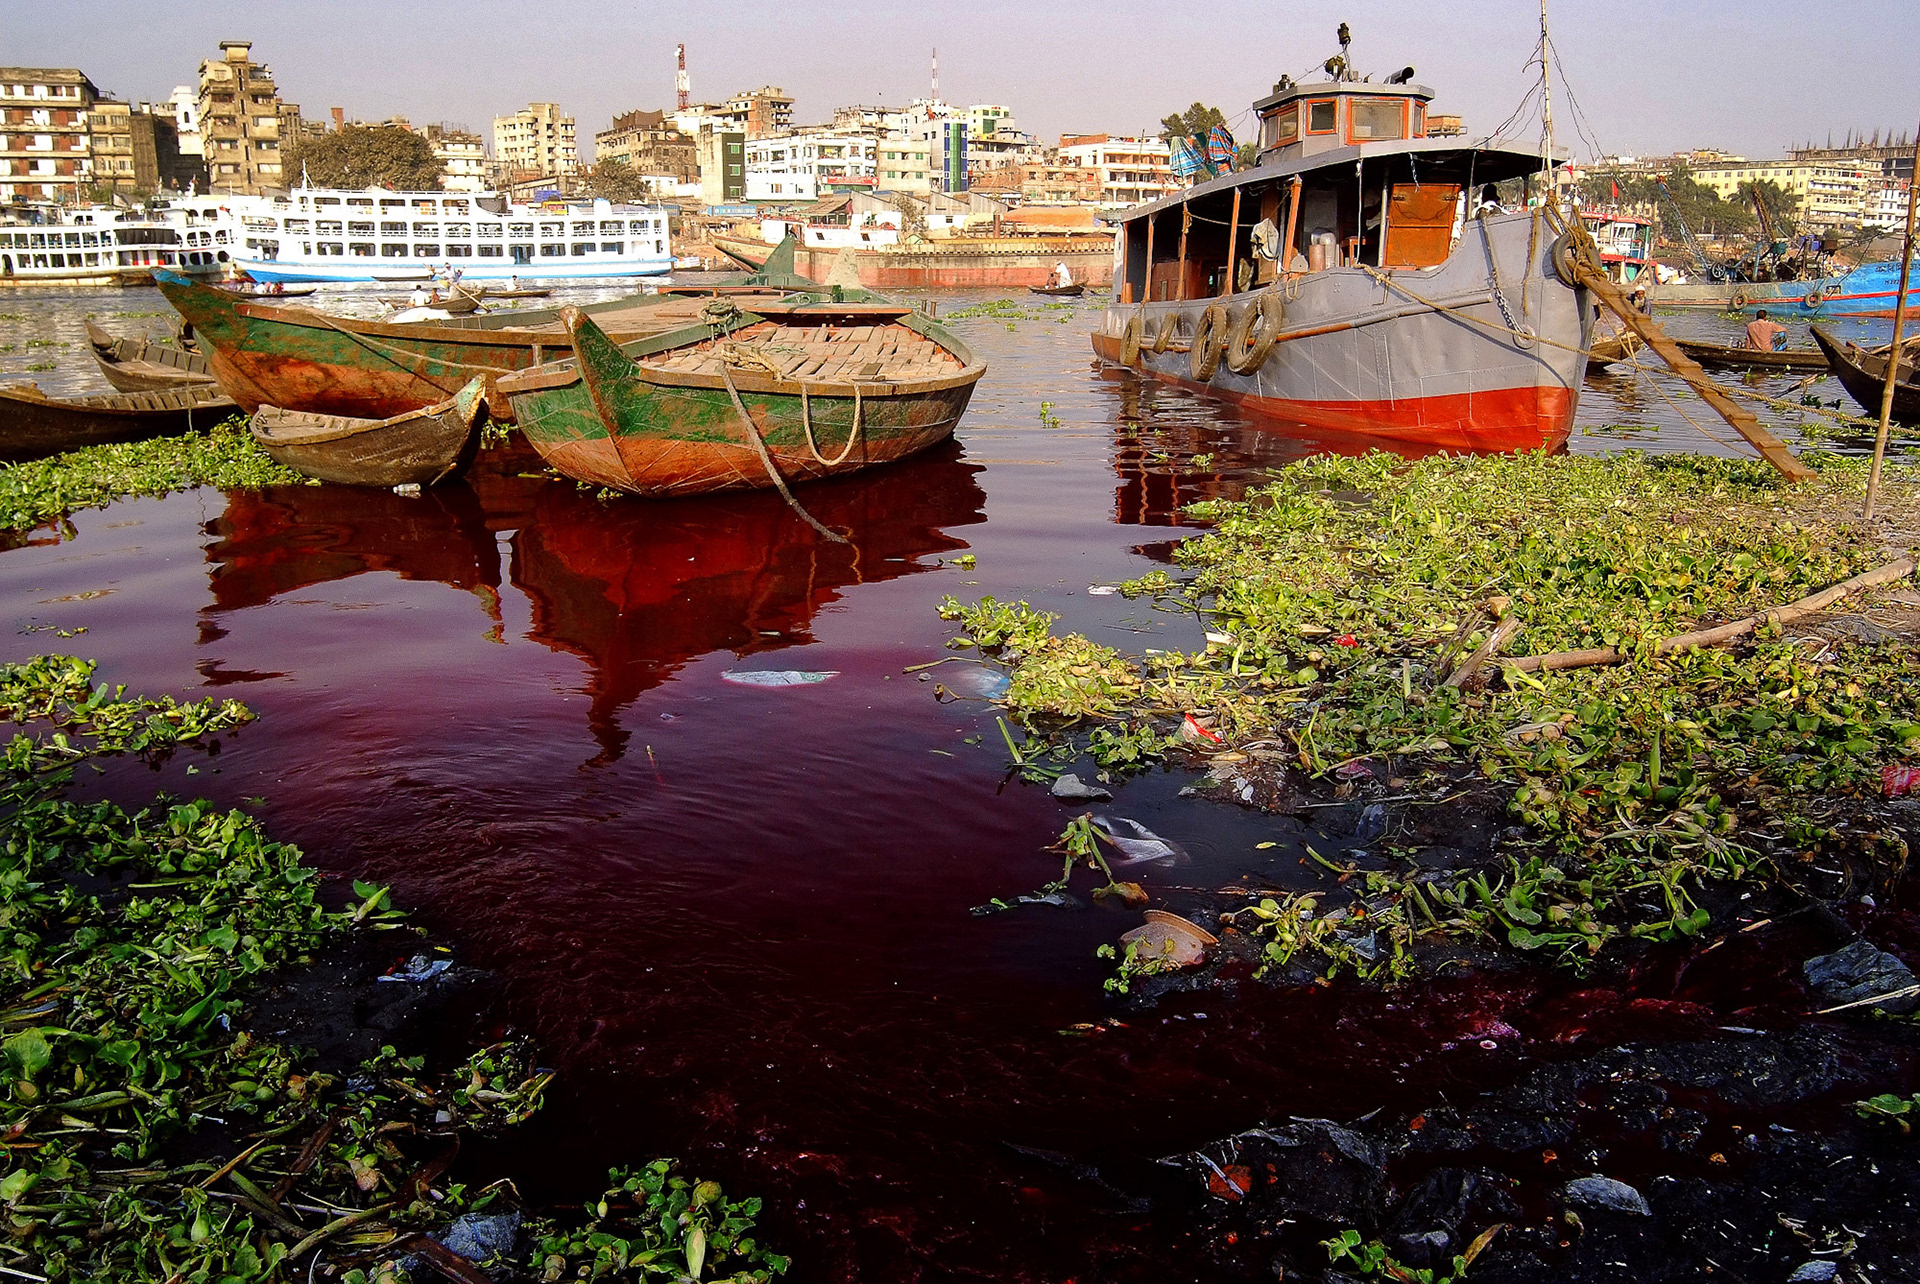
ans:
(1115, 67)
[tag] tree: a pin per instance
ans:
(615, 180)
(355, 156)
(1192, 123)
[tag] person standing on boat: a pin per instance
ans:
(1764, 335)
(1061, 277)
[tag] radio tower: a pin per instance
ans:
(681, 84)
(935, 95)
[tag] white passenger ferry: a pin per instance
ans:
(323, 234)
(107, 245)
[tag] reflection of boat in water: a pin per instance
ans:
(639, 590)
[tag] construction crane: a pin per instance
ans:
(682, 86)
(1708, 268)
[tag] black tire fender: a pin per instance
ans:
(1209, 342)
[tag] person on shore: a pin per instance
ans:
(1764, 335)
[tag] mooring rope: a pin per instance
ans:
(853, 433)
(766, 461)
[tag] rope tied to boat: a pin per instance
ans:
(766, 456)
(742, 356)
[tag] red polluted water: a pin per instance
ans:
(736, 916)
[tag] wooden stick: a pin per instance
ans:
(1502, 633)
(1147, 286)
(1771, 448)
(1233, 237)
(1895, 570)
(1893, 349)
(1186, 221)
(1293, 221)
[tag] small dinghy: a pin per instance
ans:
(1073, 291)
(1863, 373)
(34, 425)
(142, 365)
(420, 447)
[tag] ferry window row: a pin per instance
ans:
(106, 258)
(1369, 120)
(395, 227)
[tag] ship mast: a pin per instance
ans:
(1546, 100)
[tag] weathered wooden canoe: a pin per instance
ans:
(34, 425)
(1728, 356)
(421, 447)
(141, 365)
(1864, 374)
(254, 290)
(825, 387)
(1614, 347)
(297, 358)
(1073, 291)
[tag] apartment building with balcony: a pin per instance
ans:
(1131, 170)
(1828, 194)
(240, 118)
(535, 142)
(809, 165)
(45, 140)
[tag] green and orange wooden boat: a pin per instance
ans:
(808, 386)
(298, 358)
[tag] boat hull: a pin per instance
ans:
(1864, 375)
(655, 434)
(1005, 263)
(420, 448)
(1367, 352)
(470, 270)
(33, 425)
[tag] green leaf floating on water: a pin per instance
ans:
(27, 1054)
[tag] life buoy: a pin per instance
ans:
(1814, 297)
(1130, 340)
(1253, 336)
(1738, 301)
(1209, 341)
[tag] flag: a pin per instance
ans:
(1616, 189)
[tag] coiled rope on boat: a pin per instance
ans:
(766, 456)
(743, 356)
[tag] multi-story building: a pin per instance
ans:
(1041, 183)
(721, 153)
(805, 166)
(240, 122)
(648, 143)
(902, 164)
(1885, 206)
(462, 156)
(44, 141)
(535, 142)
(762, 112)
(1131, 170)
(1828, 194)
(110, 148)
(185, 110)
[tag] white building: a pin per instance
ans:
(902, 164)
(1885, 207)
(1132, 170)
(805, 166)
(186, 119)
(463, 157)
(536, 140)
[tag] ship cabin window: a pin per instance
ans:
(489, 231)
(326, 200)
(360, 203)
(331, 249)
(519, 229)
(426, 229)
(523, 254)
(1281, 128)
(360, 229)
(582, 248)
(615, 228)
(360, 249)
(1419, 120)
(426, 207)
(390, 250)
(1373, 119)
(386, 205)
(584, 228)
(327, 227)
(455, 251)
(426, 250)
(549, 250)
(552, 229)
(1323, 116)
(613, 247)
(298, 225)
(393, 229)
(490, 252)
(454, 207)
(462, 230)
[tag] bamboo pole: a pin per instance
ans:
(1893, 352)
(1741, 420)
(1186, 221)
(1293, 222)
(1233, 236)
(1146, 288)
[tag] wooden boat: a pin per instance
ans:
(141, 365)
(1863, 374)
(808, 386)
(515, 294)
(1727, 356)
(1073, 291)
(421, 447)
(298, 358)
(34, 425)
(1614, 347)
(255, 290)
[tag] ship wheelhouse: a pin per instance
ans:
(1346, 176)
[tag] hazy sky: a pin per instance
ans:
(1750, 76)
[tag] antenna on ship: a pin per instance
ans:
(682, 86)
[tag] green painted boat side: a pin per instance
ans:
(610, 420)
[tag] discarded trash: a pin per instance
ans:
(409, 489)
(1073, 788)
(1346, 639)
(1139, 845)
(1192, 729)
(1220, 639)
(1102, 590)
(778, 677)
(419, 968)
(1053, 895)
(977, 680)
(1168, 941)
(1896, 780)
